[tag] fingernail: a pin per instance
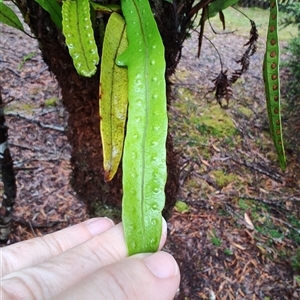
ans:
(162, 264)
(99, 225)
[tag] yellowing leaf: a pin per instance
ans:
(113, 95)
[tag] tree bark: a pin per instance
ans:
(81, 99)
(8, 179)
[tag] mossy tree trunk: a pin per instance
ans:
(80, 98)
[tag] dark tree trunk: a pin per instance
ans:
(8, 179)
(80, 98)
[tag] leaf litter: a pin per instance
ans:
(232, 184)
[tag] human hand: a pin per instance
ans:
(86, 261)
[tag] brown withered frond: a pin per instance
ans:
(223, 83)
(222, 88)
(253, 37)
(251, 49)
(244, 61)
(235, 76)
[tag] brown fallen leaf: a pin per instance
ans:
(239, 246)
(248, 221)
(216, 148)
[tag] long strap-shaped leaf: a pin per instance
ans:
(144, 156)
(79, 34)
(54, 9)
(113, 95)
(272, 83)
(8, 17)
(219, 5)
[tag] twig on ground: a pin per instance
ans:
(274, 201)
(32, 230)
(36, 75)
(272, 174)
(33, 224)
(13, 71)
(5, 102)
(186, 173)
(32, 148)
(39, 123)
(283, 222)
(266, 201)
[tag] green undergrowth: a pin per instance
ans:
(199, 123)
(19, 107)
(229, 150)
(215, 240)
(111, 212)
(51, 102)
(295, 262)
(223, 179)
(29, 108)
(271, 229)
(182, 207)
(245, 111)
(27, 57)
(204, 131)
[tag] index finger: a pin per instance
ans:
(52, 277)
(38, 250)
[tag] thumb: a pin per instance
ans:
(142, 276)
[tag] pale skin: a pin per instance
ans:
(86, 261)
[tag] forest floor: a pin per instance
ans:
(235, 230)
